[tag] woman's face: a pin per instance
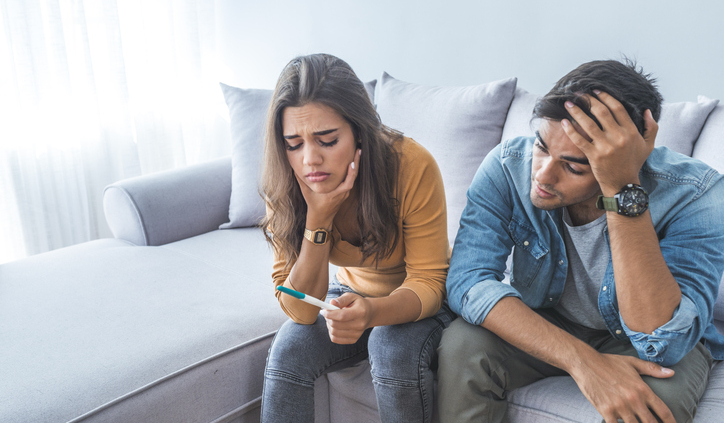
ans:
(320, 145)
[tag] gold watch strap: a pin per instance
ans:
(318, 236)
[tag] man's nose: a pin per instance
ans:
(546, 173)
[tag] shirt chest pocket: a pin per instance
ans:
(528, 254)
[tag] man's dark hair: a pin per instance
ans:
(628, 84)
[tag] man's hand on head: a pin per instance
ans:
(617, 151)
(613, 384)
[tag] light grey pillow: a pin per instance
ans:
(518, 123)
(247, 116)
(458, 125)
(680, 124)
(709, 148)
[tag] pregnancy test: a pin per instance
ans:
(307, 298)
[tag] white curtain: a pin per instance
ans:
(91, 92)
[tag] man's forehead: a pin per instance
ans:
(547, 125)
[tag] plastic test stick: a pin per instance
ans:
(307, 298)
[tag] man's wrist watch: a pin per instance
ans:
(631, 201)
(317, 237)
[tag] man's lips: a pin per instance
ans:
(543, 193)
(317, 176)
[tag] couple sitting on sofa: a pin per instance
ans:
(343, 188)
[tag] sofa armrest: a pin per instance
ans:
(169, 206)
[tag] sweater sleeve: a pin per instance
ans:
(424, 228)
(297, 310)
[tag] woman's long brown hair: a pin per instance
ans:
(328, 80)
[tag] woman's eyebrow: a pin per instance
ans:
(325, 132)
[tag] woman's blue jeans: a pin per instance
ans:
(402, 359)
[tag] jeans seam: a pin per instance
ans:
(288, 376)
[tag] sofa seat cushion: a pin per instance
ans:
(106, 329)
(551, 400)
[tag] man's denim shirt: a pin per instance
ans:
(686, 202)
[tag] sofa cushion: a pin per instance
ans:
(114, 332)
(458, 125)
(709, 148)
(518, 122)
(247, 113)
(680, 124)
(247, 117)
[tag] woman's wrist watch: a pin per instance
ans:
(631, 201)
(317, 237)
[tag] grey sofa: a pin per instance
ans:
(171, 320)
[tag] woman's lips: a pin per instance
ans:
(317, 176)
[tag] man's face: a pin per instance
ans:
(560, 174)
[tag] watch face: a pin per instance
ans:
(320, 237)
(633, 201)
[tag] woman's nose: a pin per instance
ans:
(312, 155)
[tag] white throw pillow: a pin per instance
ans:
(458, 125)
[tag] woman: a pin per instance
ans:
(342, 188)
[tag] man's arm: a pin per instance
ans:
(647, 292)
(610, 382)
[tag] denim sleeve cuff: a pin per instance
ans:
(671, 342)
(481, 298)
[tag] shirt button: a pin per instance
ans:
(550, 299)
(618, 332)
(560, 262)
(605, 287)
(526, 243)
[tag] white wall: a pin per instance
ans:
(469, 42)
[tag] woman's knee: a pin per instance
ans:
(403, 351)
(295, 344)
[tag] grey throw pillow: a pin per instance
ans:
(518, 123)
(709, 148)
(680, 124)
(247, 116)
(458, 125)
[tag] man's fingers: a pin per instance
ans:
(651, 369)
(577, 139)
(661, 410)
(614, 108)
(584, 122)
(603, 111)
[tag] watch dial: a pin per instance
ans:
(634, 202)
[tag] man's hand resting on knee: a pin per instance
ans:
(612, 383)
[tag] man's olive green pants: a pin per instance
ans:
(477, 369)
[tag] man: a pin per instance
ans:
(618, 291)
